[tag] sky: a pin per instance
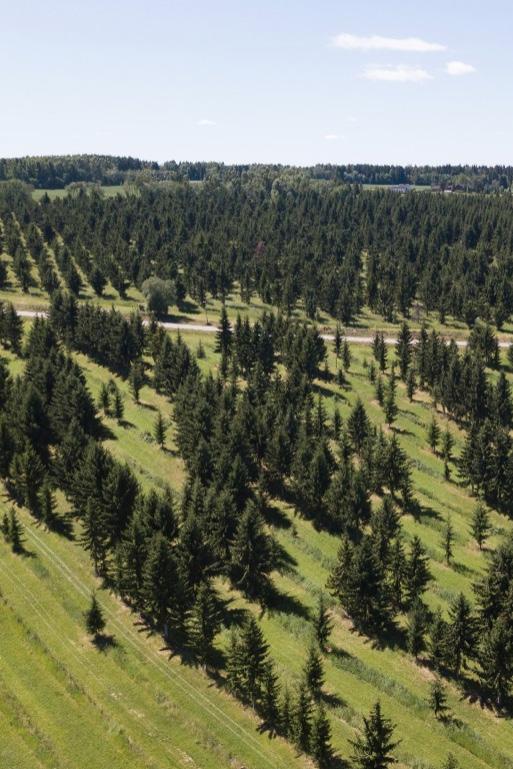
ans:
(276, 81)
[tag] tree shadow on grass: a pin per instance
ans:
(419, 512)
(148, 406)
(105, 641)
(277, 601)
(62, 525)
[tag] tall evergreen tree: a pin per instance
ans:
(320, 738)
(373, 748)
(480, 526)
(438, 699)
(313, 672)
(323, 625)
(159, 430)
(94, 619)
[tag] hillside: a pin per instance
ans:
(151, 710)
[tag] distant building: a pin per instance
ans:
(401, 187)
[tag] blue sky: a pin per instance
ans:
(267, 81)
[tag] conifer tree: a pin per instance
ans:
(4, 526)
(411, 384)
(247, 662)
(323, 625)
(373, 748)
(447, 446)
(302, 718)
(270, 705)
(337, 423)
(480, 526)
(252, 552)
(224, 334)
(496, 660)
(416, 628)
(461, 634)
(104, 399)
(320, 738)
(433, 434)
(448, 541)
(137, 378)
(417, 574)
(118, 408)
(313, 672)
(15, 532)
(205, 620)
(358, 425)
(438, 699)
(390, 405)
(47, 504)
(94, 536)
(404, 349)
(94, 619)
(380, 391)
(160, 582)
(159, 430)
(437, 640)
(346, 355)
(337, 344)
(286, 717)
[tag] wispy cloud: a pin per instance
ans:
(379, 43)
(397, 74)
(331, 137)
(458, 68)
(205, 121)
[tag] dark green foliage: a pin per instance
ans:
(448, 541)
(247, 662)
(159, 430)
(323, 624)
(461, 632)
(373, 748)
(313, 672)
(496, 660)
(204, 620)
(480, 526)
(94, 619)
(320, 738)
(433, 434)
(302, 718)
(137, 378)
(438, 699)
(417, 574)
(416, 628)
(252, 552)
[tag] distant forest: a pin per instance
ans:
(57, 172)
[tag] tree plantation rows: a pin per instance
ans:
(291, 241)
(255, 434)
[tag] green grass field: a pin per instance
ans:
(65, 704)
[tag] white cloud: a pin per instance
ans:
(331, 137)
(205, 121)
(379, 43)
(459, 68)
(397, 74)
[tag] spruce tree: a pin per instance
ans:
(94, 619)
(448, 541)
(252, 552)
(15, 536)
(416, 628)
(118, 407)
(411, 384)
(437, 640)
(404, 349)
(346, 355)
(380, 391)
(390, 405)
(136, 379)
(433, 434)
(313, 672)
(417, 573)
(320, 738)
(47, 504)
(286, 715)
(104, 399)
(447, 446)
(302, 718)
(496, 660)
(480, 526)
(438, 699)
(224, 334)
(323, 625)
(337, 344)
(270, 705)
(94, 536)
(159, 430)
(373, 748)
(205, 620)
(461, 634)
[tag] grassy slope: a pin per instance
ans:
(121, 683)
